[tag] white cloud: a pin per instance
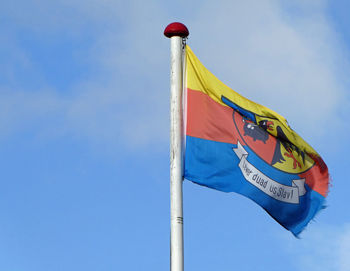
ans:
(344, 250)
(21, 110)
(325, 248)
(124, 100)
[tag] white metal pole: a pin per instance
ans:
(176, 213)
(176, 33)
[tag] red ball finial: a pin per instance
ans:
(176, 29)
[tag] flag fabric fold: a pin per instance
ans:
(236, 145)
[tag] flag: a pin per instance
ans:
(236, 145)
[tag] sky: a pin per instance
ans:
(84, 131)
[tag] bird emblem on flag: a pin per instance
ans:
(269, 141)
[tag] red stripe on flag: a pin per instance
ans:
(316, 179)
(208, 119)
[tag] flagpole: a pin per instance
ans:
(176, 32)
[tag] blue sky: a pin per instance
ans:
(84, 132)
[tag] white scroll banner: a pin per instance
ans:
(281, 192)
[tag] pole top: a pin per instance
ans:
(176, 29)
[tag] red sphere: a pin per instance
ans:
(176, 29)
